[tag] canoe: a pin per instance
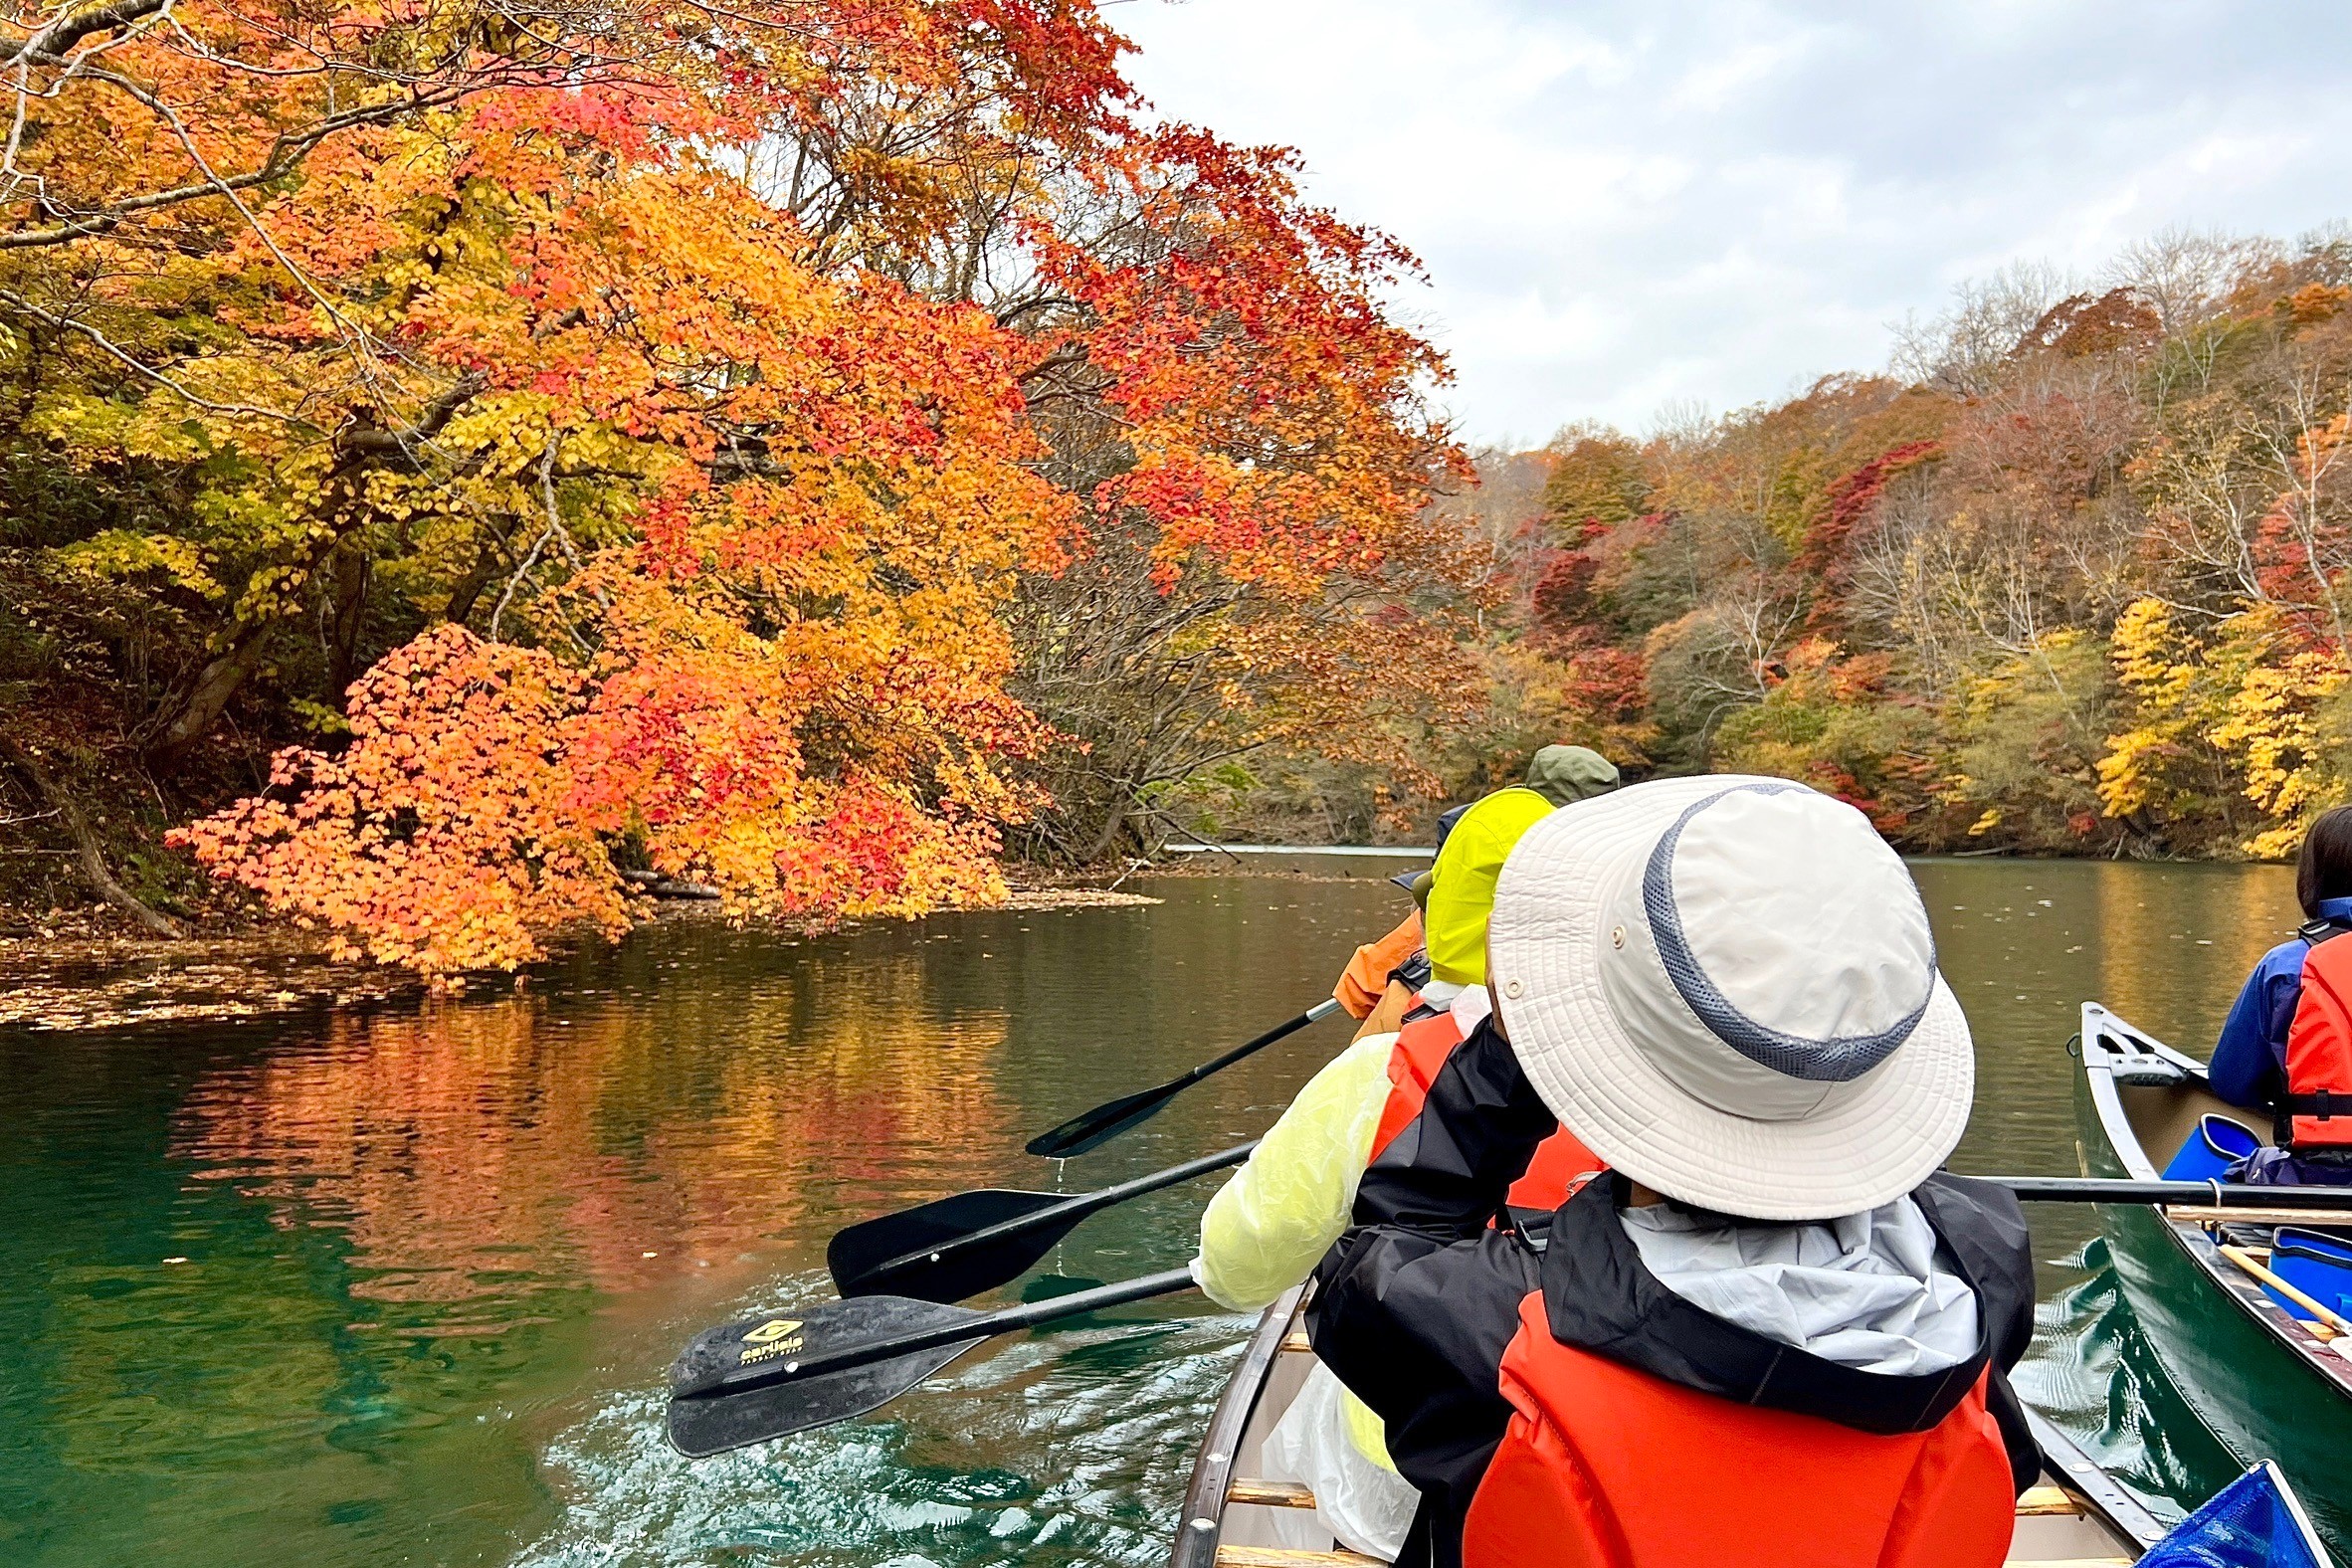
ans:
(2260, 1379)
(2077, 1517)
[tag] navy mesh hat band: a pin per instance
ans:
(1835, 1061)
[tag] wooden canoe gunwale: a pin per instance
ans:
(1203, 1521)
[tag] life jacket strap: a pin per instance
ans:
(2322, 1107)
(2313, 933)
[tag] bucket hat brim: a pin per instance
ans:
(1869, 1141)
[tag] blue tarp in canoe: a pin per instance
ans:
(2253, 1522)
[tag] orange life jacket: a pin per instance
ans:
(2316, 1111)
(1605, 1467)
(1413, 1061)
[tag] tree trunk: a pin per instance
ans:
(348, 618)
(86, 840)
(207, 698)
(468, 593)
(360, 444)
(1112, 826)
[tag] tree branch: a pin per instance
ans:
(63, 32)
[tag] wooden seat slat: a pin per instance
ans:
(1285, 1557)
(1270, 1494)
(2204, 1214)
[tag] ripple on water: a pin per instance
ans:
(1051, 1450)
(2096, 1374)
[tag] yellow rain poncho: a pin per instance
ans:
(1271, 1223)
(1264, 1232)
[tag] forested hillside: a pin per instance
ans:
(2071, 578)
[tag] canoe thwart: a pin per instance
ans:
(2044, 1502)
(1286, 1557)
(1272, 1493)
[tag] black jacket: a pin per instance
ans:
(1416, 1305)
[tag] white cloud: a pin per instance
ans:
(1627, 202)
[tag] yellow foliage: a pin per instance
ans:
(2251, 688)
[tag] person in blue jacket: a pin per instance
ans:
(2250, 1060)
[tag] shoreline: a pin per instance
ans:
(88, 968)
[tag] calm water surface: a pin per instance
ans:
(399, 1288)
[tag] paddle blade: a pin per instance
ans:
(860, 1254)
(1094, 1128)
(700, 1427)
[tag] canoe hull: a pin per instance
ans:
(2264, 1389)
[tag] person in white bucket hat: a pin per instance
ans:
(1727, 988)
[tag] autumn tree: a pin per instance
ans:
(648, 440)
(1248, 435)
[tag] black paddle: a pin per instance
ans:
(767, 1377)
(2189, 1195)
(960, 1246)
(976, 1241)
(1093, 1128)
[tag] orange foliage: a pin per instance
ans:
(443, 832)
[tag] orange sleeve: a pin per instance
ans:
(1365, 980)
(1389, 1016)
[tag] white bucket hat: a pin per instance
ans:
(1726, 987)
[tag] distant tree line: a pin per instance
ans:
(2071, 578)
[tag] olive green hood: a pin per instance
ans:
(1565, 774)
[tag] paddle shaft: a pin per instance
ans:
(2334, 1322)
(986, 1325)
(1322, 1010)
(2182, 1194)
(2098, 1189)
(1068, 1212)
(1091, 1128)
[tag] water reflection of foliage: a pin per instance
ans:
(2197, 937)
(484, 1153)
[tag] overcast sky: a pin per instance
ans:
(1626, 204)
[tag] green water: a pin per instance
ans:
(434, 1262)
